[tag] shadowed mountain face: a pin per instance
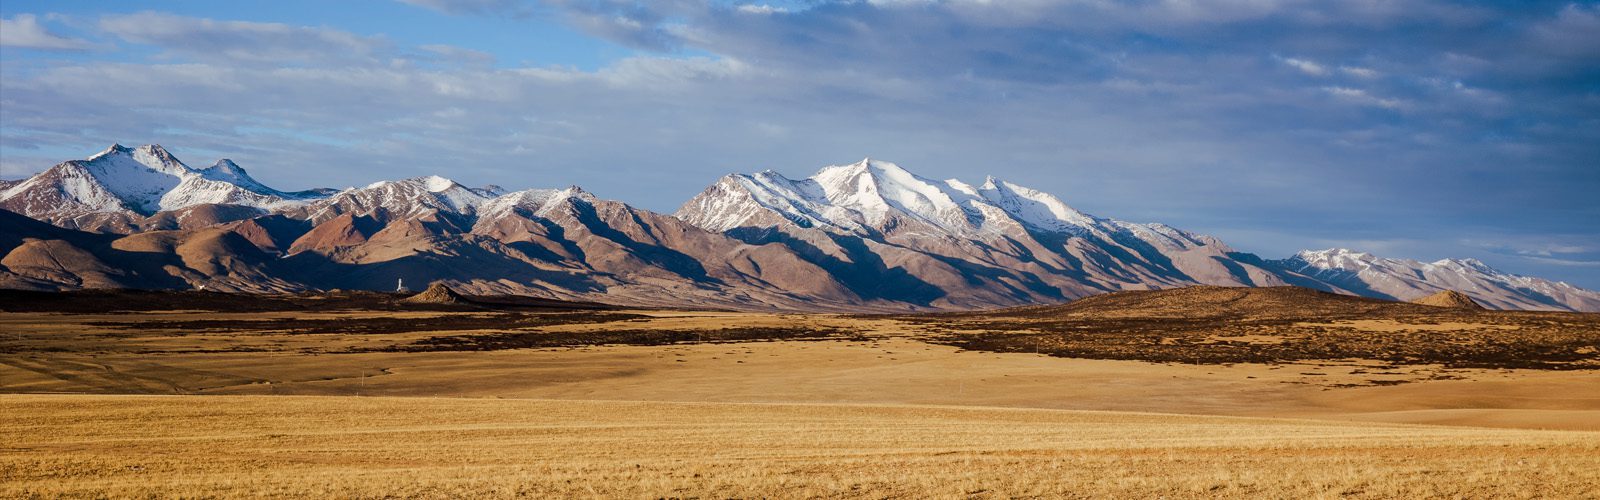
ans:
(869, 236)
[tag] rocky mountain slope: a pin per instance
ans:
(868, 236)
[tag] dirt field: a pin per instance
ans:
(133, 446)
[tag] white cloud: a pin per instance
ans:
(1306, 66)
(657, 73)
(480, 7)
(24, 31)
(761, 9)
(273, 43)
(1564, 262)
(1359, 72)
(1575, 32)
(1360, 96)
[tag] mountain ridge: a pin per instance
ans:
(865, 236)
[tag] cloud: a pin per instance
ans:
(24, 31)
(762, 9)
(1574, 33)
(1567, 250)
(512, 8)
(242, 41)
(1306, 67)
(1564, 262)
(1359, 96)
(1359, 72)
(647, 25)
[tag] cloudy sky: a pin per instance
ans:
(1417, 129)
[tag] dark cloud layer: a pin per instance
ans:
(1421, 129)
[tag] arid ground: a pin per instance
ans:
(1261, 395)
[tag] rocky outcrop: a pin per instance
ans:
(437, 293)
(1449, 298)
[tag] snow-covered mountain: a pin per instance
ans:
(153, 222)
(1405, 279)
(403, 198)
(867, 236)
(116, 188)
(893, 234)
(873, 197)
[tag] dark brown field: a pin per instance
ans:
(1216, 325)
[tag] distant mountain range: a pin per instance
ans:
(869, 236)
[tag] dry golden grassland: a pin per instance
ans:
(227, 446)
(882, 361)
(383, 401)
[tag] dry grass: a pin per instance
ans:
(78, 353)
(227, 446)
(289, 411)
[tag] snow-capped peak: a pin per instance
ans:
(1035, 208)
(990, 182)
(1467, 263)
(225, 170)
(408, 197)
(1335, 258)
(140, 180)
(149, 156)
(116, 148)
(438, 184)
(879, 190)
(874, 196)
(429, 183)
(531, 200)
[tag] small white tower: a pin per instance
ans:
(400, 286)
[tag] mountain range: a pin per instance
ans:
(868, 236)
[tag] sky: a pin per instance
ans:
(1416, 129)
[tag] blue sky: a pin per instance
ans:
(1420, 129)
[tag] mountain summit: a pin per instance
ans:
(874, 197)
(115, 188)
(866, 236)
